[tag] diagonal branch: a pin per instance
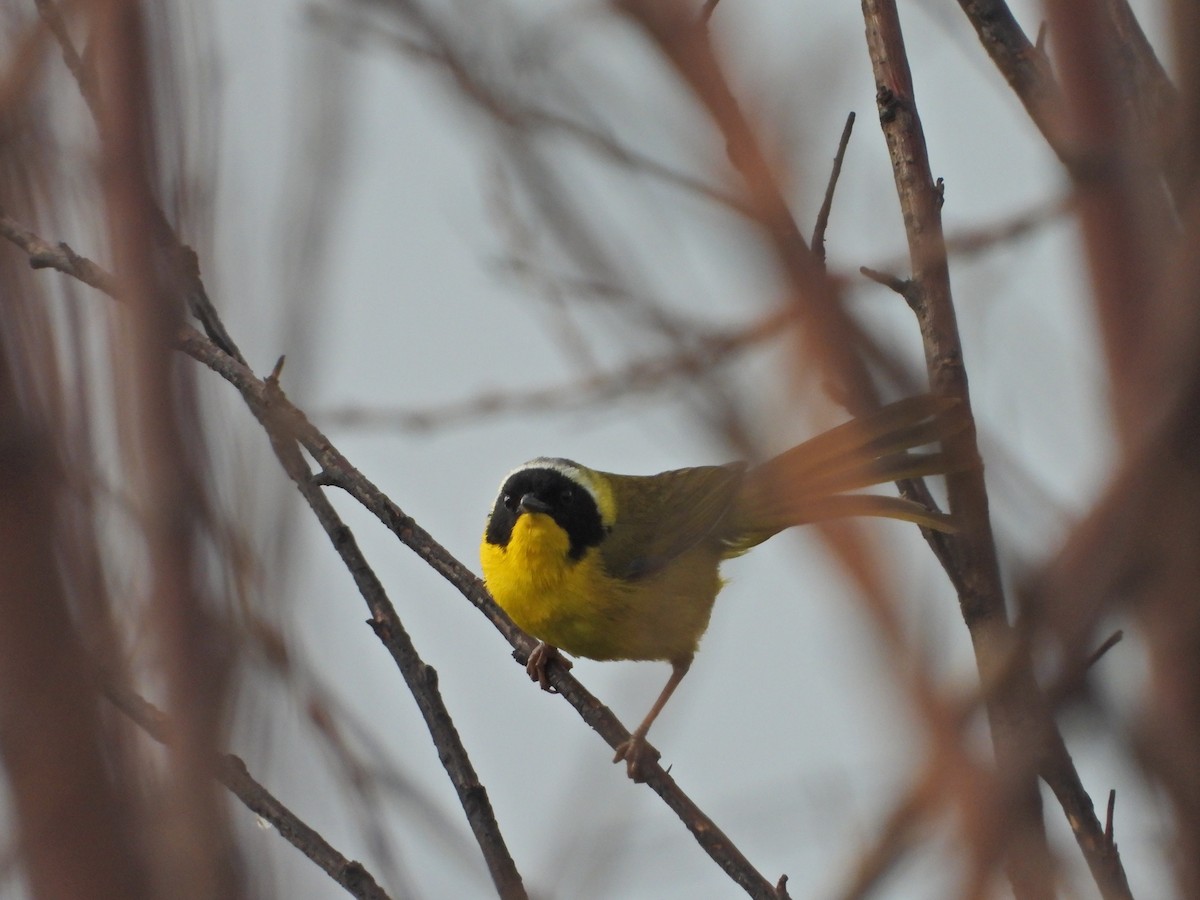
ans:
(421, 678)
(643, 375)
(231, 771)
(1027, 70)
(178, 258)
(1024, 66)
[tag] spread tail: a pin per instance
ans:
(809, 482)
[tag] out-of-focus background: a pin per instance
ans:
(479, 233)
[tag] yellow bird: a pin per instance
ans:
(626, 566)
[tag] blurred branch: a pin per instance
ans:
(1126, 232)
(1026, 739)
(231, 771)
(421, 679)
(65, 797)
(896, 834)
(1149, 89)
(1152, 97)
(194, 848)
(179, 259)
(514, 111)
(971, 242)
(641, 376)
(84, 77)
(830, 337)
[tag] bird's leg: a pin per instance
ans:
(636, 751)
(541, 656)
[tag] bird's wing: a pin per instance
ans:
(662, 516)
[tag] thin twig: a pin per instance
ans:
(44, 255)
(1112, 641)
(905, 287)
(818, 239)
(181, 261)
(231, 771)
(641, 376)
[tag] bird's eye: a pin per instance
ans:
(510, 501)
(566, 495)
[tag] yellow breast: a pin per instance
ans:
(576, 606)
(546, 593)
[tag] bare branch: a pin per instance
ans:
(231, 771)
(818, 239)
(43, 255)
(270, 405)
(421, 678)
(638, 377)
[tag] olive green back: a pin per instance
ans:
(660, 517)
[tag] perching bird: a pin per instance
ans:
(626, 567)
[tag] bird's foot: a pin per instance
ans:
(544, 654)
(638, 756)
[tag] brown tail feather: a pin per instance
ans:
(807, 483)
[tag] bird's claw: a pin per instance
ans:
(541, 656)
(638, 756)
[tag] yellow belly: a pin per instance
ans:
(577, 606)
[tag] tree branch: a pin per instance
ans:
(972, 551)
(420, 678)
(818, 239)
(231, 771)
(1025, 737)
(336, 470)
(277, 415)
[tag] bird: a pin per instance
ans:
(627, 567)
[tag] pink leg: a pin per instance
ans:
(635, 751)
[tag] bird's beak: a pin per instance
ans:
(532, 503)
